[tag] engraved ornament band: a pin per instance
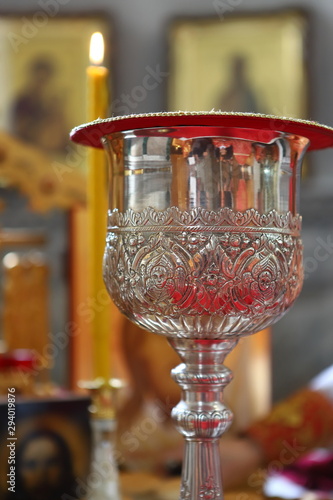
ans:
(203, 273)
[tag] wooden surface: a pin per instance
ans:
(141, 486)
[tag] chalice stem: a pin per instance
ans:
(201, 415)
(201, 475)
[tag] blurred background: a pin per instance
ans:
(241, 55)
(56, 334)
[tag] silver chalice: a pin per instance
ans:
(203, 246)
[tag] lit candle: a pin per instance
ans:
(97, 79)
(97, 208)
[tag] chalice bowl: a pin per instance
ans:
(203, 246)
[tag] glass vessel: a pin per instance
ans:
(203, 246)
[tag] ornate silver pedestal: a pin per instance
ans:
(204, 247)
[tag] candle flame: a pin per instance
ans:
(96, 54)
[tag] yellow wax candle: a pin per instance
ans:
(97, 77)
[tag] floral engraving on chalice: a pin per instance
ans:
(163, 270)
(175, 266)
(185, 492)
(210, 491)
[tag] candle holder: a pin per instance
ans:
(203, 246)
(104, 426)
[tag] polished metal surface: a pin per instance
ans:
(203, 274)
(201, 415)
(153, 168)
(203, 246)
